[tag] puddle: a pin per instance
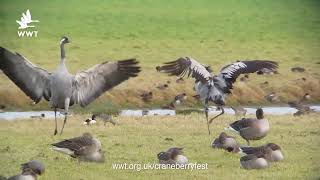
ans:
(154, 112)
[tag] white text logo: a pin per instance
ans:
(24, 23)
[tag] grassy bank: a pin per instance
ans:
(213, 32)
(138, 140)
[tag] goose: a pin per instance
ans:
(30, 171)
(162, 86)
(172, 156)
(271, 151)
(178, 99)
(106, 118)
(302, 109)
(213, 88)
(251, 128)
(254, 161)
(84, 148)
(90, 121)
(146, 96)
(226, 142)
(61, 88)
(171, 106)
(298, 69)
(272, 97)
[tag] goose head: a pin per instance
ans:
(33, 166)
(259, 113)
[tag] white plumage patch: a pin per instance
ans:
(230, 129)
(229, 71)
(63, 150)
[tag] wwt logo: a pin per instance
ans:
(24, 22)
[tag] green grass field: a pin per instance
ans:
(212, 32)
(138, 140)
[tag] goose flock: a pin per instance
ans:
(63, 89)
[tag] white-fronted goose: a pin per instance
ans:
(30, 171)
(272, 97)
(85, 148)
(298, 69)
(271, 151)
(106, 118)
(251, 128)
(178, 99)
(254, 161)
(172, 156)
(90, 121)
(146, 96)
(226, 142)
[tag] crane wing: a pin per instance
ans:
(186, 65)
(230, 72)
(32, 80)
(90, 84)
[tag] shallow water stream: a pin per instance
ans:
(153, 112)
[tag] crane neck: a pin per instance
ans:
(63, 54)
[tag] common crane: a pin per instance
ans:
(213, 88)
(60, 87)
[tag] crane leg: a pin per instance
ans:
(207, 114)
(222, 112)
(66, 107)
(248, 142)
(206, 110)
(55, 120)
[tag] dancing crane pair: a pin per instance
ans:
(63, 89)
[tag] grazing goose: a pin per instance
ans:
(267, 71)
(251, 128)
(302, 109)
(171, 106)
(30, 171)
(239, 111)
(90, 121)
(172, 156)
(213, 88)
(146, 96)
(245, 78)
(85, 148)
(60, 87)
(271, 151)
(298, 69)
(106, 118)
(178, 99)
(162, 86)
(272, 97)
(254, 161)
(226, 142)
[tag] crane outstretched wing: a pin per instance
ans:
(186, 65)
(32, 80)
(90, 84)
(230, 72)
